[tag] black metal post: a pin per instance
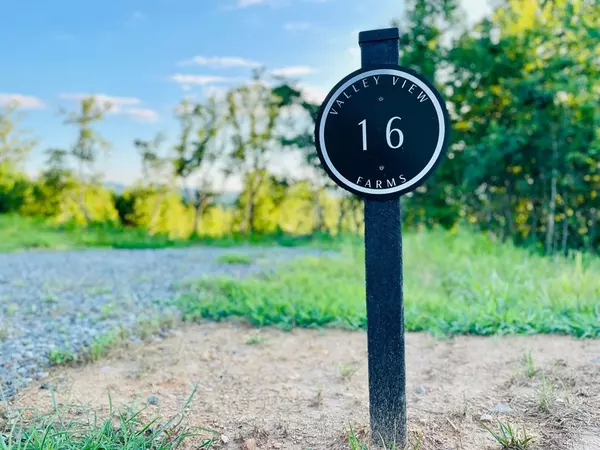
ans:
(385, 309)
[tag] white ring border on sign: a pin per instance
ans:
(436, 153)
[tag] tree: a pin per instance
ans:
(525, 85)
(426, 37)
(197, 151)
(15, 145)
(154, 163)
(252, 117)
(88, 145)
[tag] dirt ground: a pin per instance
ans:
(297, 390)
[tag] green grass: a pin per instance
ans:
(530, 369)
(21, 233)
(123, 430)
(234, 258)
(254, 340)
(510, 438)
(356, 443)
(453, 284)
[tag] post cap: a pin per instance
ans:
(382, 34)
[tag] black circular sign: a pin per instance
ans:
(381, 131)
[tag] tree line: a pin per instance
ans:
(522, 87)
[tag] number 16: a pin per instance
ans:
(388, 134)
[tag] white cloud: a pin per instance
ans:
(218, 92)
(220, 62)
(21, 101)
(297, 26)
(313, 94)
(117, 105)
(187, 81)
(292, 71)
(142, 114)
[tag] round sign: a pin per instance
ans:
(381, 131)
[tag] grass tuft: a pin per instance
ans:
(347, 371)
(546, 396)
(356, 441)
(235, 258)
(510, 438)
(254, 339)
(123, 430)
(530, 369)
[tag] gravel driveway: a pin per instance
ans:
(64, 300)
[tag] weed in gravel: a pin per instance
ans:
(98, 290)
(58, 357)
(235, 258)
(12, 309)
(49, 298)
(510, 438)
(107, 311)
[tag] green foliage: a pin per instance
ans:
(455, 283)
(14, 188)
(523, 166)
(157, 210)
(525, 151)
(18, 233)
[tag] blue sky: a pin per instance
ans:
(145, 55)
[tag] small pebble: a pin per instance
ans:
(420, 389)
(152, 400)
(225, 439)
(486, 418)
